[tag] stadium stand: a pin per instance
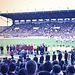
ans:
(47, 23)
(53, 29)
(64, 29)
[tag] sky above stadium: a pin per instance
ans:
(34, 5)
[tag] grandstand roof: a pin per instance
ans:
(40, 15)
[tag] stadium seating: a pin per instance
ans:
(44, 29)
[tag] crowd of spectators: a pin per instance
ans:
(44, 29)
(43, 65)
(33, 67)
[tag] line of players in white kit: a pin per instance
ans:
(61, 48)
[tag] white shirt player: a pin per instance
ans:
(53, 48)
(58, 48)
(68, 48)
(48, 49)
(63, 48)
(72, 48)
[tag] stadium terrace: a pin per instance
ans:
(50, 24)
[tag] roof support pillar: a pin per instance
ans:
(31, 21)
(7, 21)
(13, 22)
(19, 21)
(56, 19)
(25, 21)
(37, 21)
(43, 21)
(49, 20)
(70, 19)
(63, 20)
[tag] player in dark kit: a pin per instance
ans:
(47, 57)
(7, 49)
(35, 59)
(59, 56)
(66, 56)
(2, 48)
(53, 56)
(41, 59)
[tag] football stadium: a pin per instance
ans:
(38, 43)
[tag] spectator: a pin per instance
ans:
(41, 67)
(56, 70)
(55, 62)
(31, 67)
(43, 73)
(4, 69)
(63, 66)
(22, 71)
(22, 65)
(71, 70)
(47, 66)
(12, 69)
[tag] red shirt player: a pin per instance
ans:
(31, 49)
(22, 47)
(7, 49)
(12, 53)
(28, 49)
(25, 47)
